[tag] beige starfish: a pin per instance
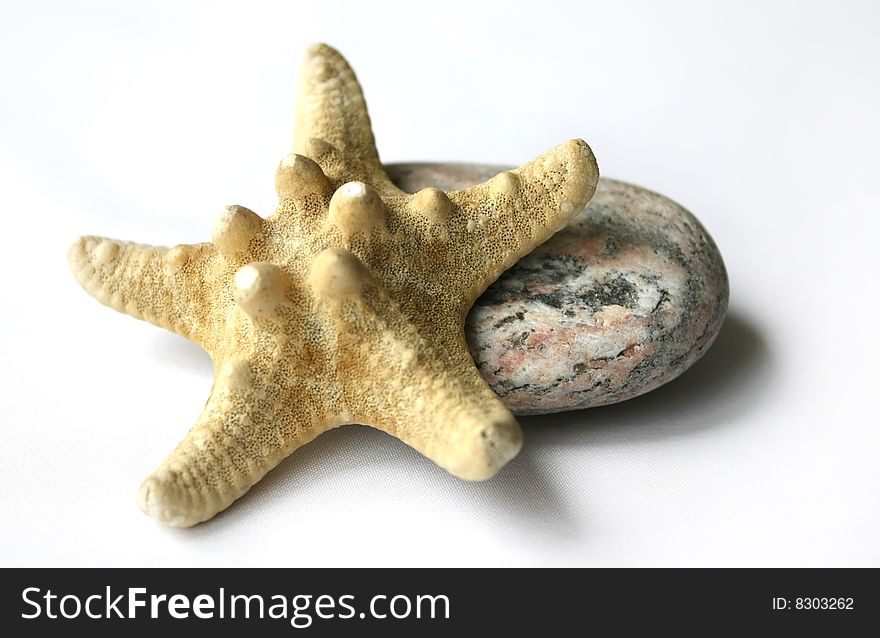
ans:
(346, 305)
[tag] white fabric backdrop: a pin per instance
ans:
(140, 120)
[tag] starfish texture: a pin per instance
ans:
(346, 305)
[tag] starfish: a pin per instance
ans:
(346, 305)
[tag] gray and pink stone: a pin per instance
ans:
(624, 299)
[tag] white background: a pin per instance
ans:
(140, 121)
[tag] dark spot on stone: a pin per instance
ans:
(619, 291)
(580, 368)
(520, 339)
(503, 322)
(612, 246)
(664, 298)
(519, 316)
(552, 299)
(502, 392)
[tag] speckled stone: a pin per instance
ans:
(624, 299)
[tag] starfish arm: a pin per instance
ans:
(252, 421)
(438, 404)
(152, 283)
(332, 124)
(423, 386)
(496, 223)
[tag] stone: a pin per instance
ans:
(624, 299)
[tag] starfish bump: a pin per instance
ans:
(346, 305)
